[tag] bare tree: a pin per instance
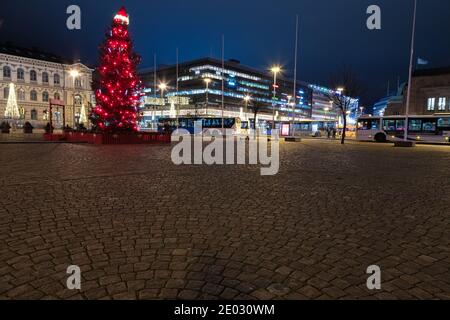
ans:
(347, 88)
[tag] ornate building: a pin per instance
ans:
(430, 94)
(39, 77)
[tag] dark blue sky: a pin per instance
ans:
(258, 33)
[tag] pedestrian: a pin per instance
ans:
(328, 133)
(334, 133)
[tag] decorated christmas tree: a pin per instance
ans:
(12, 109)
(118, 90)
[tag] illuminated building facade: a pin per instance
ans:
(200, 82)
(39, 77)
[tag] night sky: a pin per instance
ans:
(259, 33)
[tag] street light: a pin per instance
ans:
(207, 82)
(162, 87)
(74, 74)
(275, 70)
(247, 99)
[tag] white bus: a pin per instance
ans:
(426, 129)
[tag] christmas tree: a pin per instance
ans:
(12, 109)
(118, 90)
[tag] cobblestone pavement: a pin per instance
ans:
(141, 228)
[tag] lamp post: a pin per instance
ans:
(247, 100)
(275, 70)
(74, 74)
(162, 87)
(207, 82)
(340, 92)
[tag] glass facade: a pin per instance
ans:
(201, 81)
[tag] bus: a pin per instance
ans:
(425, 129)
(239, 126)
(192, 124)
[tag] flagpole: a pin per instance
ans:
(178, 87)
(295, 77)
(223, 80)
(411, 62)
(154, 75)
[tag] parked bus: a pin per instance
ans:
(431, 129)
(191, 124)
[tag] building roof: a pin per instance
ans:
(32, 53)
(432, 72)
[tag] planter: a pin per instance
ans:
(404, 144)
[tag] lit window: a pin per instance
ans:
(20, 74)
(33, 75)
(77, 100)
(33, 114)
(442, 103)
(431, 104)
(45, 96)
(6, 72)
(21, 95)
(78, 83)
(33, 95)
(56, 79)
(57, 96)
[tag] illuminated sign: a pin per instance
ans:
(285, 130)
(184, 101)
(154, 101)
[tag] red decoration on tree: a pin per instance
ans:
(119, 88)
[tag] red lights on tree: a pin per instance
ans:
(118, 90)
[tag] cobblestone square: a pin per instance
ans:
(140, 227)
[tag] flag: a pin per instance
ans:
(421, 61)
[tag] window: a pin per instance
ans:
(442, 103)
(33, 114)
(33, 75)
(444, 123)
(33, 95)
(6, 93)
(57, 96)
(20, 74)
(400, 125)
(78, 83)
(368, 124)
(77, 100)
(6, 72)
(56, 79)
(415, 125)
(389, 125)
(45, 77)
(45, 96)
(21, 94)
(429, 126)
(431, 104)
